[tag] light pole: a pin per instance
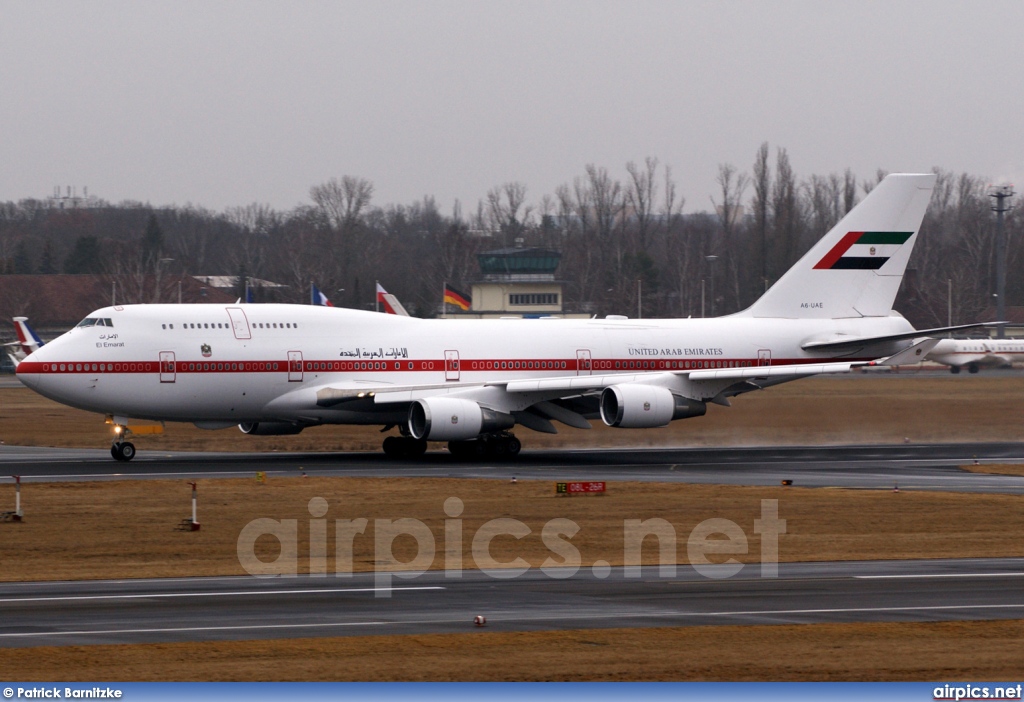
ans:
(1001, 193)
(711, 263)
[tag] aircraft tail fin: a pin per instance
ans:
(392, 305)
(855, 270)
(28, 340)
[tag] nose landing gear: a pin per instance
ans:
(122, 450)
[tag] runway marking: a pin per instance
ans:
(71, 598)
(939, 575)
(514, 616)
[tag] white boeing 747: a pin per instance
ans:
(277, 369)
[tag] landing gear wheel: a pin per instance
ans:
(393, 446)
(471, 449)
(404, 447)
(513, 447)
(123, 451)
(954, 369)
(414, 448)
(973, 368)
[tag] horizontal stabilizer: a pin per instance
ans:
(840, 342)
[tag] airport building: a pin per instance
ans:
(517, 282)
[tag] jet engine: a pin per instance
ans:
(454, 419)
(270, 428)
(636, 406)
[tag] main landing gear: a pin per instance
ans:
(122, 450)
(495, 446)
(404, 447)
(501, 445)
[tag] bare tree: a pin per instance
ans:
(732, 187)
(507, 211)
(640, 195)
(762, 181)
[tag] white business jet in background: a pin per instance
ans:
(277, 369)
(974, 354)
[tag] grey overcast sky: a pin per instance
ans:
(227, 103)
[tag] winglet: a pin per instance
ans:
(914, 354)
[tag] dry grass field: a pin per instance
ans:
(958, 651)
(997, 468)
(90, 530)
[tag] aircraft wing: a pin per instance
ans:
(568, 399)
(575, 385)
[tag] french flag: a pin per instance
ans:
(318, 298)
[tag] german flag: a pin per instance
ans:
(454, 297)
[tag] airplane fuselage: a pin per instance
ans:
(230, 364)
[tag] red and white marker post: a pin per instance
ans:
(195, 522)
(17, 498)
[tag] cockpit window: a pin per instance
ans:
(96, 322)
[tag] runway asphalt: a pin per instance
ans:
(204, 609)
(911, 467)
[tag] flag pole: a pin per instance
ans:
(376, 296)
(311, 287)
(444, 305)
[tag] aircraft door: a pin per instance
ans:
(583, 362)
(239, 323)
(294, 366)
(451, 365)
(764, 357)
(167, 367)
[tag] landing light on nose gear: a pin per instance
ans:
(122, 450)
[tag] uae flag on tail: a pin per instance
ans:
(454, 297)
(863, 250)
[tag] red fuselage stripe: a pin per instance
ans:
(468, 366)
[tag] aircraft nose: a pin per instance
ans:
(28, 379)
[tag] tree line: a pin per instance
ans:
(626, 244)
